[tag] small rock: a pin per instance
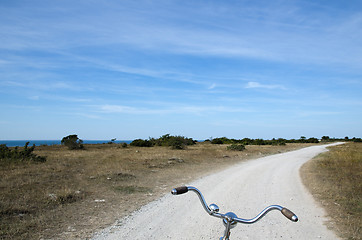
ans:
(71, 229)
(52, 196)
(179, 160)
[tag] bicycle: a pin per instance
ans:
(230, 219)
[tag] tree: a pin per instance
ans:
(325, 139)
(72, 142)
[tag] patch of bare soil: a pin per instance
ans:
(77, 193)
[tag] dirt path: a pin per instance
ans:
(244, 189)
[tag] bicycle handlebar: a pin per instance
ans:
(214, 211)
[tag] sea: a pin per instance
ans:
(21, 143)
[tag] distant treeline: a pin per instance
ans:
(180, 142)
(279, 141)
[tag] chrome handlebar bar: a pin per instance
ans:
(230, 219)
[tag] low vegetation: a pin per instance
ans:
(16, 155)
(335, 178)
(236, 147)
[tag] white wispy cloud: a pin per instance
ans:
(307, 113)
(35, 98)
(212, 86)
(87, 115)
(169, 110)
(66, 98)
(266, 86)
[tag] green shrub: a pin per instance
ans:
(16, 155)
(124, 145)
(72, 142)
(175, 142)
(141, 143)
(224, 140)
(236, 147)
(217, 141)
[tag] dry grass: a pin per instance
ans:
(76, 193)
(335, 179)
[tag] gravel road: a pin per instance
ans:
(245, 189)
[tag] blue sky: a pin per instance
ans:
(200, 69)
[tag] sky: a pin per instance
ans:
(201, 69)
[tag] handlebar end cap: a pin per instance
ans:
(294, 218)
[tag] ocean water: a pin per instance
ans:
(21, 143)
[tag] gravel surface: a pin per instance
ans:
(244, 189)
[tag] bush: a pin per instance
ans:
(217, 141)
(313, 140)
(225, 140)
(236, 147)
(141, 143)
(124, 145)
(14, 155)
(175, 142)
(72, 142)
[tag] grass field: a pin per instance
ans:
(77, 192)
(335, 179)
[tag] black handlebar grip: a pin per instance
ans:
(179, 190)
(290, 215)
